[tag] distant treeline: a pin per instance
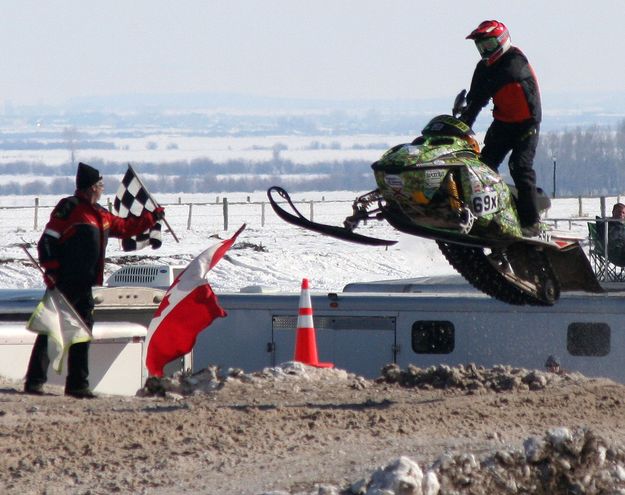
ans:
(588, 162)
(37, 144)
(199, 176)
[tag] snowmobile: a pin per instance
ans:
(436, 187)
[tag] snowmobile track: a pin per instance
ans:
(473, 264)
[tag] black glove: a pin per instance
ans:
(460, 104)
(159, 213)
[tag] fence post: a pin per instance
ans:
(312, 211)
(262, 214)
(36, 213)
(189, 218)
(580, 211)
(225, 213)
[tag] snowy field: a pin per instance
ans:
(180, 146)
(275, 255)
(167, 147)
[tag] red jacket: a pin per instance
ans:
(512, 85)
(73, 244)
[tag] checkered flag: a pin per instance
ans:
(132, 199)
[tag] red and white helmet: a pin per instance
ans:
(492, 40)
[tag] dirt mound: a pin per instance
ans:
(473, 378)
(561, 462)
(470, 378)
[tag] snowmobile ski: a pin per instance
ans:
(298, 219)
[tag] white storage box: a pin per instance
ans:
(115, 356)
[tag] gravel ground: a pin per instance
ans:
(300, 430)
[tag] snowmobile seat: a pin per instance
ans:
(604, 269)
(542, 200)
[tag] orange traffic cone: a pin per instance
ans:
(306, 340)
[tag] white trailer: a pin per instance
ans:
(363, 331)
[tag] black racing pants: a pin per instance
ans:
(522, 140)
(78, 356)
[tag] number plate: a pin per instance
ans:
(485, 203)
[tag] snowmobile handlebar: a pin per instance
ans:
(460, 104)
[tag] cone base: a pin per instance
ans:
(315, 364)
(323, 365)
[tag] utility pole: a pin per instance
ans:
(71, 136)
(554, 177)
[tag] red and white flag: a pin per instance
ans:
(189, 306)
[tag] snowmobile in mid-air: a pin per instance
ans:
(436, 187)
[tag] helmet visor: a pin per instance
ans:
(487, 46)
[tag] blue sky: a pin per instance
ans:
(331, 49)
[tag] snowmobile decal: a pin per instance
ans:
(485, 203)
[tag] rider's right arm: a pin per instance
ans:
(478, 96)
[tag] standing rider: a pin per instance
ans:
(505, 75)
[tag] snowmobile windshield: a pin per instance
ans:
(446, 125)
(487, 46)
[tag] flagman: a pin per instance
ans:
(72, 251)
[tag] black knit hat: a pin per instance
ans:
(86, 176)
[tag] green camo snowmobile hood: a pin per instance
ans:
(416, 177)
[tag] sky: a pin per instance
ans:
(324, 49)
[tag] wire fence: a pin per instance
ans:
(223, 214)
(219, 215)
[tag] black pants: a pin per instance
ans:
(522, 140)
(616, 242)
(78, 356)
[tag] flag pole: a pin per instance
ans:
(61, 295)
(33, 259)
(153, 201)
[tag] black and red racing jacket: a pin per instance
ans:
(73, 244)
(512, 85)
